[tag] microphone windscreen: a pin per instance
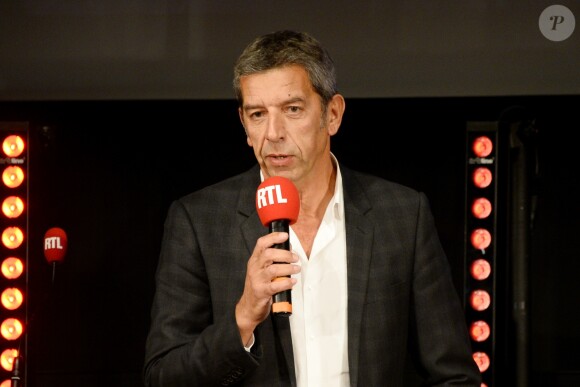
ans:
(55, 245)
(277, 199)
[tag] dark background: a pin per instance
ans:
(130, 106)
(106, 171)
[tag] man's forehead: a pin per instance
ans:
(280, 84)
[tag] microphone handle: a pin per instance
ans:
(282, 302)
(15, 379)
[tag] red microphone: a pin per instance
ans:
(55, 245)
(278, 204)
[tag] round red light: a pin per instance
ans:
(480, 300)
(482, 177)
(482, 146)
(479, 331)
(480, 238)
(481, 208)
(480, 269)
(482, 361)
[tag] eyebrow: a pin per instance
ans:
(285, 102)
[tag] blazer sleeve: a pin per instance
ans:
(185, 346)
(442, 339)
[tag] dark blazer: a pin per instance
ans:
(402, 304)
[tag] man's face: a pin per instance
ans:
(284, 123)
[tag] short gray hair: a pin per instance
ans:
(286, 48)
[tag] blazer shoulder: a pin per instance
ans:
(375, 188)
(233, 185)
(236, 194)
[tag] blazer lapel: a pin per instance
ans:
(359, 237)
(250, 225)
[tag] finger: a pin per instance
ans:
(280, 284)
(282, 270)
(272, 255)
(271, 239)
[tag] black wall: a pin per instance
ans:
(106, 172)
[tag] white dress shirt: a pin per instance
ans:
(319, 302)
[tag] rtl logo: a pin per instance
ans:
(277, 198)
(53, 243)
(270, 195)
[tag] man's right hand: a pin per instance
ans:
(264, 265)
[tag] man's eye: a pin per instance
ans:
(256, 115)
(293, 109)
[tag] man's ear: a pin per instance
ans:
(334, 113)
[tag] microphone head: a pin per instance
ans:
(55, 245)
(277, 199)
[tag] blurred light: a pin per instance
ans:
(481, 208)
(11, 329)
(12, 237)
(482, 361)
(479, 331)
(13, 146)
(12, 206)
(7, 358)
(482, 146)
(479, 300)
(14, 261)
(482, 177)
(480, 238)
(480, 269)
(13, 176)
(12, 268)
(12, 298)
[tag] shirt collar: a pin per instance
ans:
(338, 198)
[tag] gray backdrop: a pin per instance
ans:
(145, 49)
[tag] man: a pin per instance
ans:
(371, 285)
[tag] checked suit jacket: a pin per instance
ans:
(402, 305)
